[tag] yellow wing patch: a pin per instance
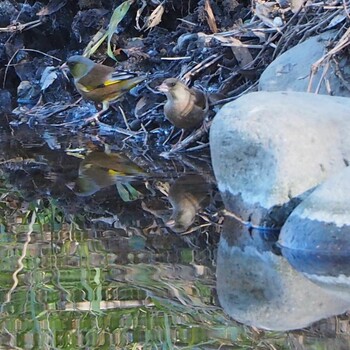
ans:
(111, 82)
(114, 173)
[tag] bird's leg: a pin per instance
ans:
(96, 117)
(180, 139)
(206, 125)
(169, 137)
(181, 136)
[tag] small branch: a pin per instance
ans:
(14, 55)
(18, 27)
(188, 140)
(176, 58)
(201, 66)
(116, 129)
(248, 224)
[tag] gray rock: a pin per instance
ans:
(291, 70)
(316, 237)
(269, 148)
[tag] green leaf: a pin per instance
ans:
(95, 42)
(123, 193)
(134, 194)
(118, 14)
(127, 192)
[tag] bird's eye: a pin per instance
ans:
(172, 84)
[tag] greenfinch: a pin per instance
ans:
(99, 170)
(185, 107)
(100, 83)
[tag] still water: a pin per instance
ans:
(111, 248)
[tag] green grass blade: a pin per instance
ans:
(118, 14)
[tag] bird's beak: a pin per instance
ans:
(64, 68)
(170, 223)
(70, 185)
(163, 88)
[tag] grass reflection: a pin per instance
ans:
(77, 290)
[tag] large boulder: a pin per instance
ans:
(270, 149)
(291, 71)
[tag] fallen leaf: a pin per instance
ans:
(139, 108)
(154, 18)
(211, 18)
(241, 53)
(336, 20)
(51, 140)
(48, 77)
(52, 7)
(139, 13)
(118, 14)
(95, 42)
(127, 192)
(264, 11)
(296, 5)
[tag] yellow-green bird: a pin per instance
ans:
(100, 83)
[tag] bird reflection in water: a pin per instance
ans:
(187, 196)
(99, 170)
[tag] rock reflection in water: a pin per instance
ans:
(315, 237)
(258, 288)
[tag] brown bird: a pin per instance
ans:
(186, 107)
(100, 83)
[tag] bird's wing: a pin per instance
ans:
(95, 77)
(114, 164)
(102, 76)
(200, 98)
(118, 76)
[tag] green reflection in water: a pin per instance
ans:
(74, 292)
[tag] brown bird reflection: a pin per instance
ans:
(187, 195)
(99, 170)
